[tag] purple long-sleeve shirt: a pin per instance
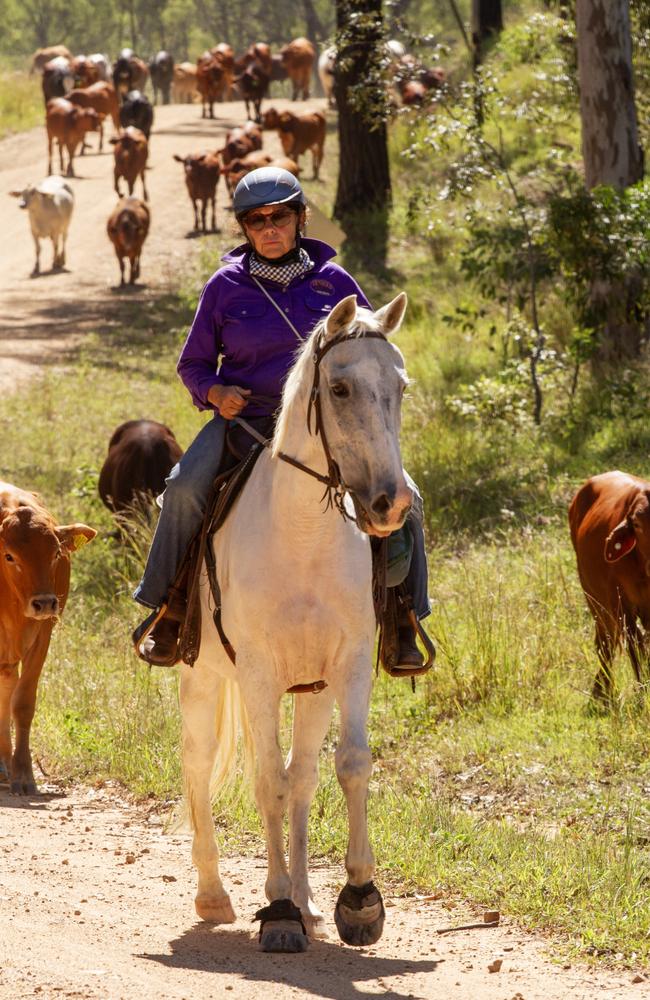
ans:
(237, 336)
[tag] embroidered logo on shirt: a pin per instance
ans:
(321, 286)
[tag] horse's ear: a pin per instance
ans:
(390, 317)
(342, 316)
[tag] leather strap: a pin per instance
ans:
(279, 309)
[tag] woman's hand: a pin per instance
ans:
(230, 400)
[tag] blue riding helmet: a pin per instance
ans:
(266, 186)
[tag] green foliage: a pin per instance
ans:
(186, 27)
(21, 102)
(602, 236)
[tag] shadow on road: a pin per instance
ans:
(325, 970)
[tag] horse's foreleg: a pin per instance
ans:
(359, 912)
(280, 929)
(198, 697)
(312, 716)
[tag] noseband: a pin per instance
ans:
(335, 487)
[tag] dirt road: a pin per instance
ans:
(41, 318)
(97, 902)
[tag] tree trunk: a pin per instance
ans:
(315, 31)
(610, 142)
(611, 154)
(487, 19)
(364, 173)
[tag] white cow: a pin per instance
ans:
(50, 205)
(326, 62)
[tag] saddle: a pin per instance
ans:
(391, 601)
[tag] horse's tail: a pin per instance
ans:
(234, 741)
(234, 745)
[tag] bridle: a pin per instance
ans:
(335, 487)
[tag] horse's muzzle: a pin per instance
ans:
(385, 512)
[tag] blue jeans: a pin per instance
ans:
(183, 505)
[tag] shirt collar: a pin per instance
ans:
(318, 251)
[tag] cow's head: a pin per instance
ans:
(25, 196)
(32, 549)
(632, 532)
(270, 119)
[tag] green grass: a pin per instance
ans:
(494, 781)
(21, 102)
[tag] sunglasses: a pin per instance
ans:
(278, 219)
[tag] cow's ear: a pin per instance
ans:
(341, 317)
(73, 536)
(390, 316)
(619, 542)
(15, 194)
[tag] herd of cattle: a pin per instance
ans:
(610, 529)
(81, 93)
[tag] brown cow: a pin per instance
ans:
(298, 133)
(260, 53)
(85, 71)
(298, 60)
(412, 92)
(141, 454)
(43, 56)
(67, 124)
(127, 229)
(34, 580)
(238, 168)
(184, 89)
(210, 82)
(130, 153)
(240, 141)
(225, 56)
(610, 530)
(201, 177)
(102, 97)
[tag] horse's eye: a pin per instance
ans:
(340, 390)
(9, 557)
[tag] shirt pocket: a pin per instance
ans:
(320, 305)
(245, 310)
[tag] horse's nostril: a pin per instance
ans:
(381, 505)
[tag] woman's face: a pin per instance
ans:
(280, 230)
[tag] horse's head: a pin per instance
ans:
(361, 384)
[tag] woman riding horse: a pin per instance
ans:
(249, 322)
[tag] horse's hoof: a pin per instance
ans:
(359, 914)
(283, 935)
(215, 909)
(281, 927)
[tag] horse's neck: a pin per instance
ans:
(296, 498)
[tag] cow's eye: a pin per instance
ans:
(340, 390)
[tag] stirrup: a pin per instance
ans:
(144, 630)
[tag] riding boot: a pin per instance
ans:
(408, 653)
(156, 638)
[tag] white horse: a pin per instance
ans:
(297, 607)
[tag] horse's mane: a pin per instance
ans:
(299, 379)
